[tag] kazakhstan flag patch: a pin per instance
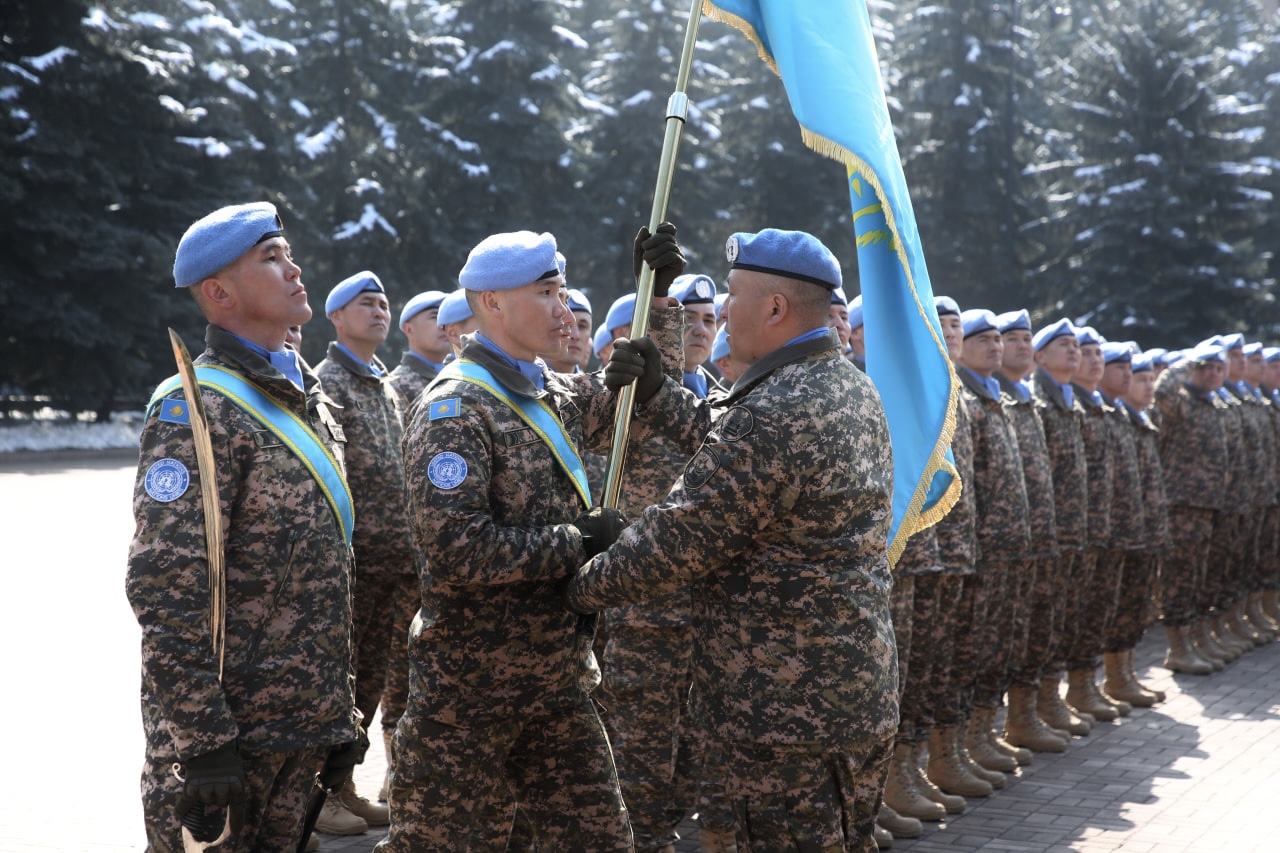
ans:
(174, 411)
(446, 408)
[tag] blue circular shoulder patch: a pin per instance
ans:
(447, 470)
(167, 480)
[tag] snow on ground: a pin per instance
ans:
(22, 434)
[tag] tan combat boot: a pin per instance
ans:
(1219, 628)
(978, 743)
(900, 792)
(898, 826)
(951, 803)
(713, 841)
(1206, 644)
(1022, 726)
(1120, 683)
(991, 777)
(883, 837)
(374, 814)
(1261, 619)
(1056, 714)
(336, 819)
(1239, 624)
(1082, 694)
(947, 770)
(385, 793)
(1156, 695)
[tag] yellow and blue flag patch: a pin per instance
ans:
(174, 411)
(446, 408)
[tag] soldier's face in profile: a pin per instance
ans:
(1060, 357)
(699, 333)
(953, 335)
(983, 352)
(1255, 367)
(1271, 376)
(838, 319)
(1019, 357)
(1142, 389)
(1116, 378)
(1208, 377)
(527, 321)
(1091, 364)
(267, 285)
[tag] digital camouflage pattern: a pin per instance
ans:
(1099, 460)
(288, 685)
(1155, 503)
(1025, 414)
(1128, 515)
(1064, 442)
(1044, 615)
(410, 377)
(1184, 565)
(369, 413)
(956, 532)
(932, 696)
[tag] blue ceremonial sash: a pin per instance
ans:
(285, 425)
(538, 415)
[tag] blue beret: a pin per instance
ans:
(216, 240)
(1172, 357)
(454, 308)
(578, 301)
(1088, 335)
(1011, 321)
(721, 299)
(690, 289)
(720, 346)
(790, 254)
(1059, 329)
(1116, 351)
(946, 305)
(560, 263)
(351, 287)
(602, 338)
(1215, 341)
(978, 320)
(1235, 341)
(1156, 354)
(855, 312)
(1206, 352)
(1271, 353)
(838, 297)
(421, 302)
(621, 312)
(1254, 348)
(510, 260)
(1142, 362)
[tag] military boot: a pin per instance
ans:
(374, 814)
(1120, 684)
(1023, 727)
(947, 770)
(385, 793)
(900, 791)
(1082, 694)
(951, 803)
(898, 826)
(883, 837)
(1056, 714)
(1261, 619)
(1201, 642)
(1127, 661)
(1238, 623)
(336, 819)
(1271, 604)
(978, 743)
(1223, 645)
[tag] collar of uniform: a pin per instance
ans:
(977, 384)
(757, 372)
(351, 364)
(232, 350)
(1085, 397)
(1050, 388)
(513, 380)
(423, 367)
(1017, 390)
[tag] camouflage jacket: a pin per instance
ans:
(493, 635)
(1272, 397)
(1024, 412)
(1259, 447)
(1128, 520)
(957, 533)
(1155, 509)
(370, 418)
(1193, 444)
(410, 377)
(288, 682)
(1064, 440)
(920, 556)
(780, 521)
(999, 492)
(1100, 464)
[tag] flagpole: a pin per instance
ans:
(677, 111)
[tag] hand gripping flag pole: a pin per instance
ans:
(677, 110)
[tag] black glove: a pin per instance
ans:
(635, 360)
(211, 781)
(342, 760)
(661, 252)
(600, 528)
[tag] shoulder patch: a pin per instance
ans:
(735, 424)
(167, 480)
(447, 470)
(700, 468)
(446, 409)
(174, 410)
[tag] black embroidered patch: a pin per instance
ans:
(735, 424)
(700, 468)
(519, 437)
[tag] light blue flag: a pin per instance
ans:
(824, 53)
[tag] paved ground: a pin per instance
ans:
(1196, 773)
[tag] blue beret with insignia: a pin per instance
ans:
(720, 346)
(1206, 352)
(421, 302)
(838, 297)
(1271, 353)
(855, 312)
(578, 301)
(1116, 351)
(216, 240)
(1058, 329)
(621, 312)
(1088, 336)
(454, 308)
(1254, 348)
(1011, 321)
(602, 338)
(692, 289)
(351, 287)
(978, 320)
(1143, 362)
(510, 260)
(790, 254)
(945, 305)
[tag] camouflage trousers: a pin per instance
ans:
(1183, 566)
(1045, 611)
(930, 697)
(1138, 577)
(1227, 553)
(395, 689)
(901, 610)
(452, 783)
(1268, 576)
(1006, 628)
(1252, 569)
(377, 608)
(279, 785)
(647, 676)
(1098, 607)
(787, 799)
(980, 654)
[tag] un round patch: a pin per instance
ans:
(731, 249)
(735, 424)
(167, 480)
(447, 470)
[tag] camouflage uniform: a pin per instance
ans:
(1193, 457)
(785, 543)
(1084, 629)
(1035, 628)
(411, 376)
(386, 577)
(1269, 558)
(1000, 496)
(287, 692)
(498, 690)
(931, 635)
(1259, 453)
(1228, 549)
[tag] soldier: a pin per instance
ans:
(857, 334)
(428, 346)
(1057, 357)
(1036, 620)
(578, 349)
(498, 708)
(602, 343)
(697, 294)
(1193, 456)
(457, 319)
(1252, 610)
(730, 368)
(838, 317)
(781, 526)
(244, 736)
(1270, 387)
